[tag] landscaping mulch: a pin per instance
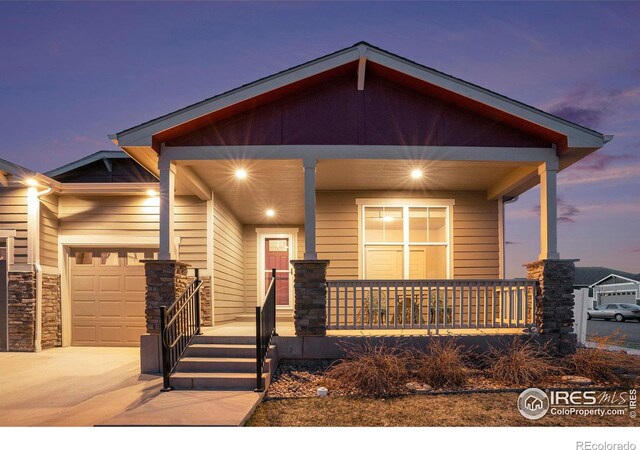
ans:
(301, 379)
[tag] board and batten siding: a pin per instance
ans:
(13, 216)
(137, 216)
(228, 264)
(475, 231)
(251, 258)
(49, 231)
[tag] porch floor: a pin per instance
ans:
(287, 329)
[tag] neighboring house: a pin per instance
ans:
(607, 285)
(360, 165)
(587, 276)
(616, 289)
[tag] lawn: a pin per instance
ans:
(413, 411)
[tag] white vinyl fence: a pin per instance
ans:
(582, 303)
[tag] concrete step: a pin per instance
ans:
(221, 351)
(203, 339)
(220, 365)
(220, 381)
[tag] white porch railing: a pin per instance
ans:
(429, 304)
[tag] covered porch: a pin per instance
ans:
(364, 219)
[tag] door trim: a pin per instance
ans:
(262, 233)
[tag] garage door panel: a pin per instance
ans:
(111, 310)
(108, 300)
(135, 310)
(135, 284)
(83, 284)
(84, 335)
(85, 310)
(110, 283)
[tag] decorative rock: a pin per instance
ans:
(576, 380)
(418, 388)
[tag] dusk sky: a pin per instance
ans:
(71, 73)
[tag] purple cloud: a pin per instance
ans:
(566, 212)
(600, 161)
(590, 105)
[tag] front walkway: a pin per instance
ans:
(87, 386)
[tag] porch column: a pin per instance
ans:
(548, 211)
(167, 197)
(310, 209)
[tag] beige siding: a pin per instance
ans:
(13, 216)
(251, 259)
(228, 264)
(137, 216)
(475, 231)
(49, 230)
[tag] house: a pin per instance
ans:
(616, 289)
(587, 276)
(606, 285)
(373, 185)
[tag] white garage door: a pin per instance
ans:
(107, 289)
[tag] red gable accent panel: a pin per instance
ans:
(335, 112)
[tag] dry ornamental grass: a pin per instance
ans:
(378, 370)
(442, 364)
(521, 363)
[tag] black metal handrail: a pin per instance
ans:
(265, 329)
(179, 323)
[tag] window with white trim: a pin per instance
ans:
(405, 241)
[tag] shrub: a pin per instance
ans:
(600, 364)
(521, 362)
(378, 370)
(442, 364)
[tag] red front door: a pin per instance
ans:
(276, 255)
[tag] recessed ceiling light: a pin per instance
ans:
(270, 213)
(152, 193)
(31, 182)
(416, 173)
(241, 174)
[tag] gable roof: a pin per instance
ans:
(613, 275)
(97, 156)
(20, 174)
(588, 276)
(577, 136)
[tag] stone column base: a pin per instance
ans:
(554, 300)
(310, 283)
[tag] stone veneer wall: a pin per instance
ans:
(554, 300)
(51, 312)
(166, 280)
(22, 311)
(206, 309)
(310, 283)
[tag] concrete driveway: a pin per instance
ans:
(87, 386)
(72, 386)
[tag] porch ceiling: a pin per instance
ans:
(279, 184)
